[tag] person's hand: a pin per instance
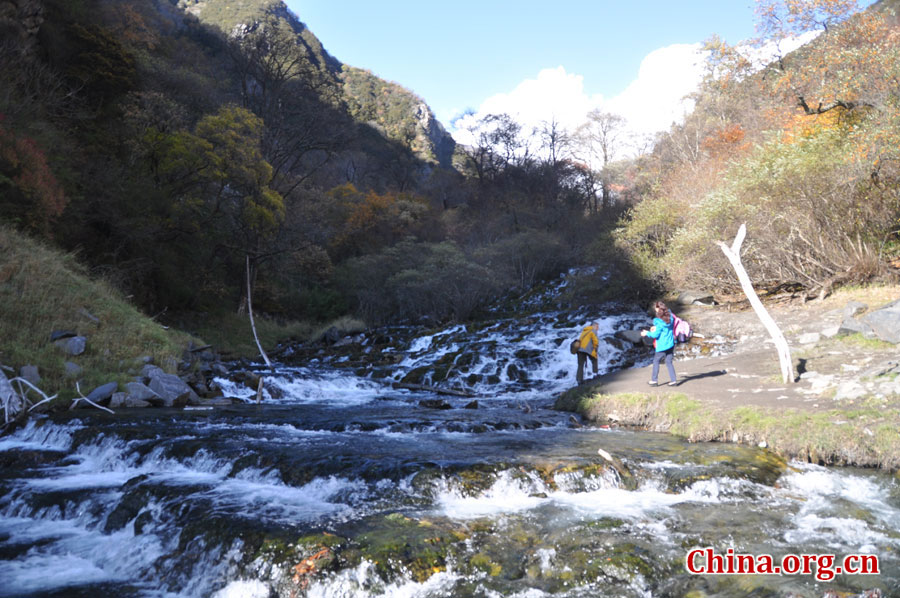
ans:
(653, 329)
(643, 333)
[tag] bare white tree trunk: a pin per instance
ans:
(733, 254)
(252, 323)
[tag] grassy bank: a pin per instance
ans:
(864, 435)
(42, 290)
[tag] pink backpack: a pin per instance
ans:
(681, 329)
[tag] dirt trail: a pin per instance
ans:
(834, 371)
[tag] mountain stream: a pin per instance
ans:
(339, 484)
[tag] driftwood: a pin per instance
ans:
(733, 254)
(16, 405)
(434, 389)
(252, 323)
(87, 400)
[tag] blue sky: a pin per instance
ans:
(537, 59)
(457, 54)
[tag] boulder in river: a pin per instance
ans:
(173, 390)
(103, 393)
(141, 393)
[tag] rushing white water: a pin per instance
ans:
(506, 499)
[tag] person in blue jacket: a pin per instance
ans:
(664, 334)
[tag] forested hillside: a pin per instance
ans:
(175, 145)
(803, 147)
(172, 143)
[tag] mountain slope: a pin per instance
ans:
(394, 111)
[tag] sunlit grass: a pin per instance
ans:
(42, 290)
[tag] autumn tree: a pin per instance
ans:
(846, 67)
(30, 195)
(598, 143)
(219, 184)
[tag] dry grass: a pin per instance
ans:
(42, 290)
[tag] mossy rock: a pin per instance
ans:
(482, 562)
(401, 546)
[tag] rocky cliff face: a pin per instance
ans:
(394, 111)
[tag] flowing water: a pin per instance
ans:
(340, 485)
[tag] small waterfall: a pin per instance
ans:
(342, 483)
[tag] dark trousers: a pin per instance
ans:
(582, 358)
(668, 354)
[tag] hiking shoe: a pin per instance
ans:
(653, 383)
(673, 383)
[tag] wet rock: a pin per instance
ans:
(74, 345)
(514, 373)
(632, 336)
(471, 405)
(615, 342)
(247, 378)
(286, 565)
(173, 390)
(117, 400)
(137, 392)
(435, 404)
(400, 546)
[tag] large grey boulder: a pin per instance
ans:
(173, 390)
(117, 400)
(104, 392)
(137, 392)
(853, 326)
(885, 322)
(854, 308)
(695, 298)
(152, 371)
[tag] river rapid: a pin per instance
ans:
(340, 485)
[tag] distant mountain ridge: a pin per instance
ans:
(394, 111)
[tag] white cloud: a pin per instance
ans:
(650, 103)
(656, 99)
(553, 95)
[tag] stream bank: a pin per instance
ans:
(842, 409)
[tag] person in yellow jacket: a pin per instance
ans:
(587, 349)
